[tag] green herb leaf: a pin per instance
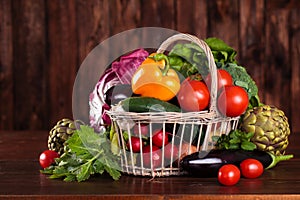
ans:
(249, 146)
(88, 153)
(236, 139)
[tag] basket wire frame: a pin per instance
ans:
(189, 131)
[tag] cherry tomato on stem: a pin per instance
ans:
(47, 158)
(251, 168)
(229, 174)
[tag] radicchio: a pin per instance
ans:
(120, 72)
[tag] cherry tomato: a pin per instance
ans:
(136, 144)
(143, 128)
(159, 137)
(193, 95)
(170, 151)
(156, 156)
(47, 158)
(233, 101)
(224, 78)
(229, 175)
(251, 168)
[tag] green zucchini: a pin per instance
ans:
(147, 104)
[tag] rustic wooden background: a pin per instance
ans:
(43, 43)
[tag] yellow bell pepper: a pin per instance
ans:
(156, 79)
(151, 59)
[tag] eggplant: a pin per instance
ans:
(117, 93)
(208, 163)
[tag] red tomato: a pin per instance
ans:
(251, 168)
(136, 144)
(159, 137)
(193, 95)
(168, 151)
(229, 175)
(233, 101)
(47, 158)
(156, 156)
(224, 78)
(143, 128)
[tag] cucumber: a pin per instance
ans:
(147, 104)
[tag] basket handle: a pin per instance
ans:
(211, 62)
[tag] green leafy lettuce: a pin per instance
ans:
(221, 51)
(188, 59)
(88, 153)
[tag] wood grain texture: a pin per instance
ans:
(158, 13)
(251, 52)
(92, 29)
(223, 22)
(295, 63)
(192, 17)
(43, 44)
(6, 70)
(62, 57)
(277, 57)
(21, 178)
(29, 54)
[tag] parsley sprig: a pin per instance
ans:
(88, 153)
(236, 139)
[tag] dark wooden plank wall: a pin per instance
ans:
(43, 42)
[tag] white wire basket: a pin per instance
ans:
(183, 133)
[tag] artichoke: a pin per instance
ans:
(59, 134)
(270, 127)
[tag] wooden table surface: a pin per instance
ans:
(20, 178)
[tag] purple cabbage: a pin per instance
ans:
(120, 72)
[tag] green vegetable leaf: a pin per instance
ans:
(234, 146)
(222, 52)
(236, 139)
(224, 57)
(70, 178)
(249, 135)
(242, 78)
(193, 59)
(246, 145)
(88, 153)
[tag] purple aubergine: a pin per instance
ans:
(117, 93)
(207, 164)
